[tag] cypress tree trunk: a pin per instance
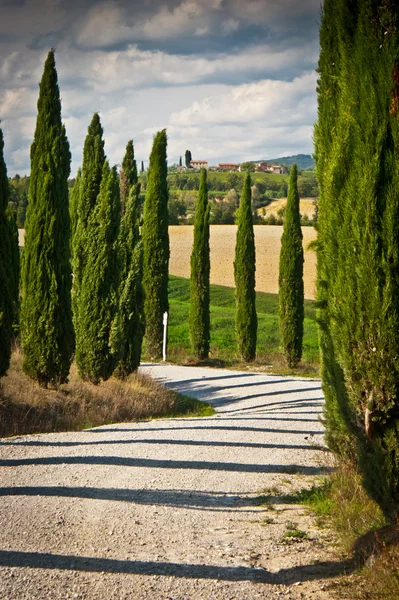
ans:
(291, 294)
(357, 141)
(46, 318)
(130, 320)
(244, 277)
(7, 274)
(156, 246)
(97, 301)
(200, 274)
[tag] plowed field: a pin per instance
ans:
(223, 237)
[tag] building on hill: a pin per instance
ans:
(261, 167)
(277, 169)
(228, 167)
(199, 164)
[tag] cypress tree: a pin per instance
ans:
(97, 300)
(87, 194)
(200, 274)
(46, 318)
(142, 166)
(180, 162)
(244, 277)
(156, 246)
(357, 141)
(291, 294)
(7, 276)
(128, 174)
(130, 319)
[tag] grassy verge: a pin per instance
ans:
(223, 343)
(26, 408)
(340, 502)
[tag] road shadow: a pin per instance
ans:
(42, 560)
(187, 499)
(120, 461)
(208, 428)
(155, 441)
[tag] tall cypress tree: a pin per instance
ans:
(128, 174)
(357, 141)
(156, 246)
(46, 318)
(244, 277)
(291, 294)
(7, 276)
(130, 318)
(200, 274)
(97, 300)
(87, 194)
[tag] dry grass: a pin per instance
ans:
(27, 408)
(222, 242)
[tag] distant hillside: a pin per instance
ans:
(303, 161)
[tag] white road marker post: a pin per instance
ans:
(165, 335)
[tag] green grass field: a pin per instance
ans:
(223, 344)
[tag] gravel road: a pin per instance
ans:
(170, 509)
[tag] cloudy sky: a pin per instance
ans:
(231, 80)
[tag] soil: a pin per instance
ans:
(222, 243)
(172, 509)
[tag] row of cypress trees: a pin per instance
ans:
(357, 161)
(96, 235)
(291, 291)
(112, 264)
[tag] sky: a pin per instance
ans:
(230, 80)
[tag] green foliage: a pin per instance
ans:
(74, 199)
(85, 201)
(244, 277)
(187, 159)
(200, 274)
(7, 274)
(97, 300)
(46, 318)
(18, 197)
(14, 267)
(128, 174)
(130, 318)
(357, 140)
(291, 292)
(156, 246)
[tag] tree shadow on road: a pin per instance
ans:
(41, 560)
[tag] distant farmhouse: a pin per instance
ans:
(264, 167)
(261, 167)
(199, 164)
(228, 167)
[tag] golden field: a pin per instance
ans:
(306, 207)
(222, 242)
(223, 239)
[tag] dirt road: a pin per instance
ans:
(180, 509)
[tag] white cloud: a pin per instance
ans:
(280, 102)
